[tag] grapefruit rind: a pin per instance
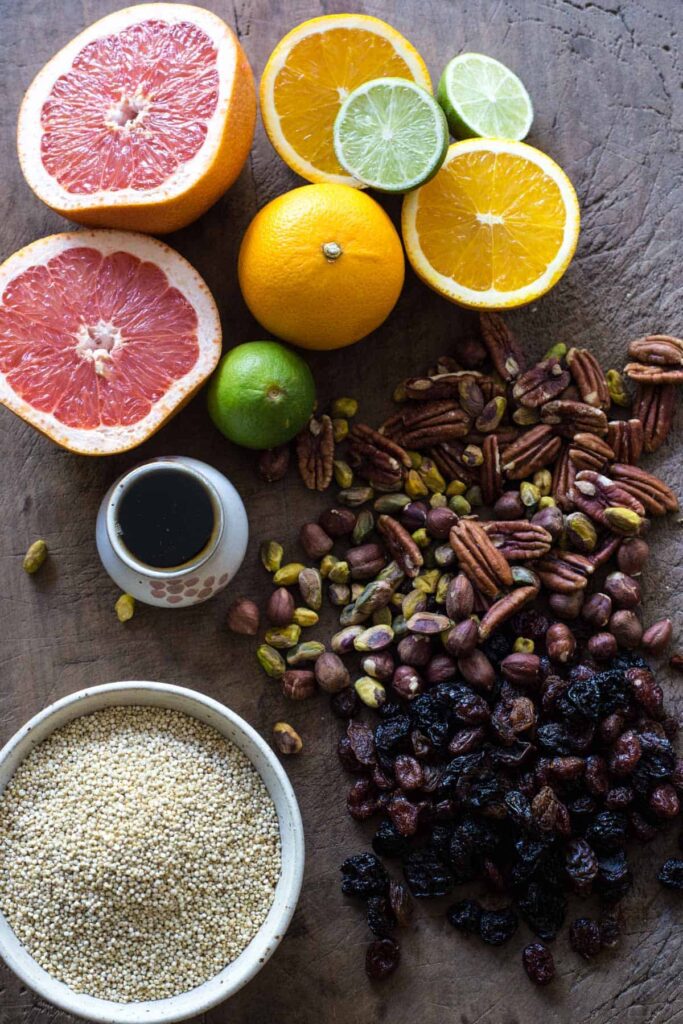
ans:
(278, 60)
(197, 183)
(108, 440)
(494, 298)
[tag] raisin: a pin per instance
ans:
(388, 841)
(554, 738)
(584, 937)
(657, 760)
(619, 797)
(583, 697)
(671, 874)
(581, 865)
(664, 801)
(625, 754)
(404, 815)
(409, 772)
(465, 915)
(614, 878)
(543, 908)
(401, 904)
(595, 775)
(381, 920)
(364, 875)
(538, 963)
(362, 743)
(607, 831)
(346, 703)
(426, 874)
(519, 809)
(361, 802)
(392, 736)
(610, 929)
(642, 829)
(465, 741)
(382, 958)
(348, 759)
(530, 623)
(497, 926)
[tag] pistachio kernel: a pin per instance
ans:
(327, 564)
(125, 607)
(442, 587)
(390, 504)
(287, 575)
(460, 505)
(283, 637)
(427, 581)
(421, 538)
(472, 456)
(617, 390)
(35, 556)
(351, 497)
(365, 524)
(305, 617)
(400, 393)
(415, 459)
(287, 739)
(345, 406)
(623, 520)
(415, 485)
(339, 594)
(311, 587)
(474, 496)
(529, 494)
(580, 532)
(382, 617)
(339, 573)
(547, 502)
(400, 626)
(523, 645)
(271, 555)
(375, 638)
(340, 429)
(431, 477)
(271, 661)
(309, 650)
(343, 474)
(524, 417)
(556, 351)
(455, 488)
(543, 479)
(414, 601)
(438, 501)
(370, 691)
(356, 591)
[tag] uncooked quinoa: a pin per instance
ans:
(139, 853)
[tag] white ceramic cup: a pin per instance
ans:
(251, 960)
(195, 581)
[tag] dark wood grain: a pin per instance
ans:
(606, 78)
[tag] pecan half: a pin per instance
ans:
(485, 566)
(607, 548)
(657, 350)
(517, 539)
(377, 458)
(589, 377)
(655, 407)
(626, 439)
(563, 572)
(428, 424)
(563, 480)
(544, 381)
(315, 453)
(532, 451)
(502, 610)
(588, 451)
(449, 460)
(491, 474)
(574, 417)
(656, 497)
(592, 493)
(505, 351)
(401, 545)
(642, 373)
(438, 385)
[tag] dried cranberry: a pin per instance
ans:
(584, 937)
(497, 926)
(538, 963)
(382, 958)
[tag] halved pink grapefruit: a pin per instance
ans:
(142, 121)
(103, 335)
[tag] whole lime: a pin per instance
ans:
(261, 394)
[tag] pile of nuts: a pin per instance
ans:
(521, 740)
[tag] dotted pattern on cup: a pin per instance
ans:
(194, 588)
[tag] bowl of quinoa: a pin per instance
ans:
(151, 853)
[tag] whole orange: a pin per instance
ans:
(321, 266)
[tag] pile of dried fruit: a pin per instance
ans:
(511, 747)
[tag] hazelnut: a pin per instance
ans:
(365, 561)
(462, 639)
(567, 606)
(337, 522)
(602, 646)
(331, 673)
(274, 463)
(298, 684)
(657, 637)
(626, 627)
(459, 598)
(509, 506)
(315, 542)
(597, 610)
(439, 522)
(477, 670)
(243, 617)
(624, 590)
(560, 642)
(632, 555)
(280, 607)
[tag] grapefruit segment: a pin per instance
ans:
(142, 121)
(103, 335)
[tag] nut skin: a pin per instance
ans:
(365, 561)
(315, 542)
(287, 739)
(522, 670)
(331, 673)
(298, 684)
(597, 609)
(567, 606)
(337, 522)
(379, 665)
(441, 669)
(34, 557)
(459, 598)
(244, 617)
(626, 627)
(415, 650)
(632, 555)
(509, 506)
(560, 643)
(477, 670)
(657, 637)
(550, 519)
(407, 682)
(602, 646)
(462, 639)
(280, 608)
(624, 590)
(439, 522)
(274, 463)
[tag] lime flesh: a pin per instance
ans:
(391, 135)
(261, 394)
(482, 98)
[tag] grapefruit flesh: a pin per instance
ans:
(103, 335)
(142, 121)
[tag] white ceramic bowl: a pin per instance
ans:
(264, 943)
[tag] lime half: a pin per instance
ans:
(391, 134)
(482, 98)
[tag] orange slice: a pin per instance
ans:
(142, 121)
(103, 336)
(311, 72)
(497, 226)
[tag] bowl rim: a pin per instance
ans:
(265, 942)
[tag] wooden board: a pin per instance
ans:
(605, 77)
